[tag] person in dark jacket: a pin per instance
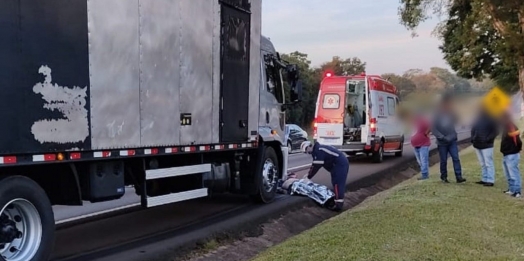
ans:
(510, 147)
(332, 160)
(483, 134)
(443, 128)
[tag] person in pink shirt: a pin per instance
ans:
(421, 142)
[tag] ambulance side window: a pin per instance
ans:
(391, 106)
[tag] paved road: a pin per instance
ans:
(358, 168)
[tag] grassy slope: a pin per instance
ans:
(421, 221)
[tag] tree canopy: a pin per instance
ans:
(479, 37)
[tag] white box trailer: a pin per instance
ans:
(180, 98)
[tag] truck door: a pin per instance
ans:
(234, 88)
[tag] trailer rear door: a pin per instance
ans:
(235, 46)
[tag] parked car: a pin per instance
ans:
(294, 137)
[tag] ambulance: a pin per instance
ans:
(357, 115)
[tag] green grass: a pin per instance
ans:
(418, 220)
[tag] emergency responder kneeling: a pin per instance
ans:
(332, 160)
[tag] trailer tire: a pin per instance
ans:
(378, 156)
(399, 153)
(267, 177)
(31, 214)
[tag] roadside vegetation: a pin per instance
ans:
(418, 220)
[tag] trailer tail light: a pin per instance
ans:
(373, 126)
(315, 129)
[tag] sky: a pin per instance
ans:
(367, 29)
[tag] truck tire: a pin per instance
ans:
(378, 156)
(26, 214)
(267, 177)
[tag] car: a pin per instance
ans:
(294, 137)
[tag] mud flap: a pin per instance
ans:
(285, 157)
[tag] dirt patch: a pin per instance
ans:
(295, 222)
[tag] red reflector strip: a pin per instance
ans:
(204, 148)
(8, 160)
(45, 157)
(75, 155)
(219, 147)
(127, 153)
(171, 150)
(151, 151)
(102, 154)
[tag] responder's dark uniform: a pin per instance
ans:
(336, 163)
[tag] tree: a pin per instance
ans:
(480, 37)
(349, 66)
(426, 81)
(451, 81)
(404, 84)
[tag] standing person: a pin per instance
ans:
(510, 147)
(421, 142)
(483, 134)
(333, 161)
(443, 128)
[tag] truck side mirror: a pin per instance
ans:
(292, 74)
(296, 92)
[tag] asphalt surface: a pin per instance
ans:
(297, 161)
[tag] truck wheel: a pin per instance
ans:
(27, 223)
(378, 156)
(267, 177)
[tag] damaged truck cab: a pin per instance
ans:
(180, 99)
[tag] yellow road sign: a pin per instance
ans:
(496, 101)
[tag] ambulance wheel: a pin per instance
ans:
(399, 153)
(378, 156)
(268, 176)
(27, 225)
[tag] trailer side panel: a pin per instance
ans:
(114, 67)
(44, 56)
(196, 85)
(160, 72)
(255, 67)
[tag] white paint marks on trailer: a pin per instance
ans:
(73, 126)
